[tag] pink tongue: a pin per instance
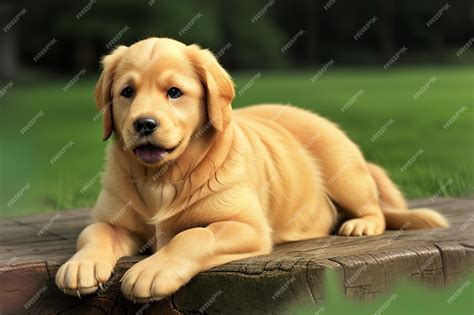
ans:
(150, 154)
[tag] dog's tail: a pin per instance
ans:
(394, 207)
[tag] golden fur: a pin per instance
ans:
(236, 183)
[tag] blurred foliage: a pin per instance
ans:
(82, 41)
(407, 297)
(329, 27)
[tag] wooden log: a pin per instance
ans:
(32, 249)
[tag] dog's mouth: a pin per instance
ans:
(150, 153)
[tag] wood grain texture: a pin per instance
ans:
(33, 248)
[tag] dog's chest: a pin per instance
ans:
(156, 195)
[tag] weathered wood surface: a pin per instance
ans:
(32, 249)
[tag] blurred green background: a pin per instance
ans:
(407, 297)
(396, 75)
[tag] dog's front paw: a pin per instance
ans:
(156, 278)
(81, 276)
(362, 226)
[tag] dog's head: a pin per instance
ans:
(156, 94)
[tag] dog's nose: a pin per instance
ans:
(146, 125)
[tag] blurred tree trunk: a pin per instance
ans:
(86, 56)
(437, 42)
(387, 41)
(8, 43)
(312, 15)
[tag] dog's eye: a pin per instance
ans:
(127, 92)
(174, 92)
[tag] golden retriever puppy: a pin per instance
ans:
(202, 185)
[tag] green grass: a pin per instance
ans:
(448, 155)
(408, 297)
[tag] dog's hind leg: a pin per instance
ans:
(346, 176)
(347, 179)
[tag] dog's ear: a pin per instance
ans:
(218, 86)
(103, 97)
